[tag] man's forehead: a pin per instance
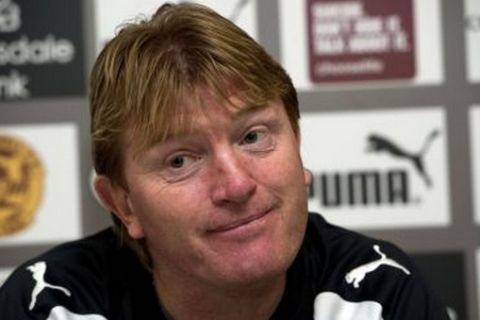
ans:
(189, 121)
(185, 119)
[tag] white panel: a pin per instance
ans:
(379, 145)
(428, 44)
(109, 14)
(478, 278)
(57, 217)
(472, 23)
(474, 118)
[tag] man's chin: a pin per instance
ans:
(261, 261)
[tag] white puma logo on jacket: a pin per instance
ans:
(38, 270)
(357, 275)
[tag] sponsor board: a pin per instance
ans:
(474, 118)
(110, 14)
(472, 30)
(41, 49)
(478, 278)
(39, 184)
(353, 41)
(451, 289)
(4, 274)
(378, 169)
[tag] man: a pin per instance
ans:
(196, 145)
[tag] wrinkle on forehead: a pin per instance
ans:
(180, 117)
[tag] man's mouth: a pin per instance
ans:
(230, 226)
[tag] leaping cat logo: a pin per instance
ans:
(378, 143)
(357, 275)
(38, 270)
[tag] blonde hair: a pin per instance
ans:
(145, 74)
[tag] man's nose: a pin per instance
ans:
(232, 180)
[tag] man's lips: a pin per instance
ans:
(229, 226)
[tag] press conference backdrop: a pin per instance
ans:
(390, 101)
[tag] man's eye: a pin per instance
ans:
(181, 161)
(251, 137)
(180, 166)
(177, 162)
(258, 140)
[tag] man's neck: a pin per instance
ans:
(192, 301)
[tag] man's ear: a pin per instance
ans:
(116, 199)
(307, 176)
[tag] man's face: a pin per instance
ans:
(224, 203)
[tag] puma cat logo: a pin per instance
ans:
(378, 143)
(358, 274)
(38, 270)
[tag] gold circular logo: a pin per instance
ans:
(21, 183)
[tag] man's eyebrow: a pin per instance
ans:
(249, 109)
(177, 134)
(188, 127)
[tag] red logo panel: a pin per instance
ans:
(360, 40)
